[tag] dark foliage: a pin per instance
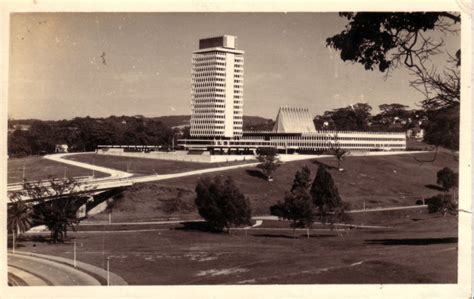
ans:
(57, 205)
(442, 128)
(442, 203)
(385, 41)
(447, 178)
(326, 197)
(268, 161)
(297, 206)
(84, 134)
(221, 203)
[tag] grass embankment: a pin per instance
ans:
(146, 165)
(382, 181)
(39, 168)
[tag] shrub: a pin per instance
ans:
(442, 203)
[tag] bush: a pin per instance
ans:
(221, 203)
(442, 203)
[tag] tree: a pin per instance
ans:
(297, 206)
(326, 197)
(57, 202)
(268, 161)
(442, 203)
(390, 40)
(18, 217)
(302, 181)
(394, 110)
(221, 203)
(351, 118)
(339, 153)
(447, 178)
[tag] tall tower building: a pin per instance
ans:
(217, 88)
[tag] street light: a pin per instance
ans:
(108, 271)
(75, 263)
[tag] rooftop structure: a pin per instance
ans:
(294, 120)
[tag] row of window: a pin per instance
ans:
(204, 110)
(207, 122)
(206, 69)
(208, 63)
(213, 90)
(207, 116)
(209, 79)
(207, 74)
(204, 127)
(209, 85)
(208, 95)
(237, 97)
(205, 106)
(328, 137)
(206, 101)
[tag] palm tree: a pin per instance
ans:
(19, 218)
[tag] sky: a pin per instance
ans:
(66, 65)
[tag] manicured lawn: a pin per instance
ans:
(383, 181)
(414, 248)
(38, 168)
(144, 165)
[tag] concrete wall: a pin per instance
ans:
(179, 156)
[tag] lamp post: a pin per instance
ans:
(108, 271)
(75, 263)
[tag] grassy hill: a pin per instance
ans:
(382, 181)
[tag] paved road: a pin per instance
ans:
(112, 172)
(36, 271)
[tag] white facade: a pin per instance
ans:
(217, 89)
(294, 120)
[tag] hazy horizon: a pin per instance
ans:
(66, 65)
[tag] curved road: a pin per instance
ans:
(37, 271)
(113, 172)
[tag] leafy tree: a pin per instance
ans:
(221, 203)
(394, 110)
(297, 206)
(57, 204)
(19, 217)
(268, 161)
(351, 118)
(442, 128)
(447, 178)
(390, 40)
(302, 181)
(326, 197)
(339, 153)
(442, 203)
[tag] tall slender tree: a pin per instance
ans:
(326, 197)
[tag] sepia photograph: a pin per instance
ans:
(236, 148)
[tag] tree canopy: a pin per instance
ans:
(221, 203)
(296, 205)
(447, 178)
(326, 196)
(385, 41)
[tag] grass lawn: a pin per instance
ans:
(144, 165)
(382, 181)
(38, 168)
(415, 248)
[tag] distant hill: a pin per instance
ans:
(250, 122)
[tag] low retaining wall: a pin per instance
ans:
(178, 156)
